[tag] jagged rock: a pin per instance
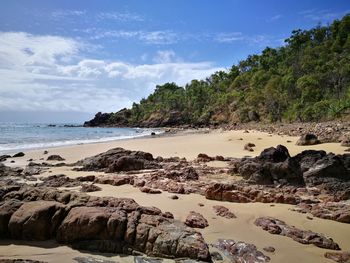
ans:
(279, 227)
(88, 178)
(337, 211)
(36, 220)
(182, 175)
(90, 188)
(118, 159)
(59, 180)
(19, 154)
(33, 169)
(9, 171)
(114, 180)
(55, 157)
(105, 224)
(241, 252)
(196, 220)
(308, 139)
(222, 211)
(216, 256)
(340, 257)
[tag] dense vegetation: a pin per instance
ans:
(308, 79)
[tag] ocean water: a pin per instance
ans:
(21, 136)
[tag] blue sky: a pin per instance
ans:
(65, 60)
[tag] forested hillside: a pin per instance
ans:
(308, 79)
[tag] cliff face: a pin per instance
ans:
(307, 80)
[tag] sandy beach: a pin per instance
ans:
(225, 143)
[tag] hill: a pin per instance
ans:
(308, 79)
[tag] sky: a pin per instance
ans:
(63, 60)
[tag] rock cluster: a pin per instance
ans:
(105, 224)
(222, 211)
(279, 227)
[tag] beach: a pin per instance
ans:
(212, 143)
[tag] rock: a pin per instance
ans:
(278, 227)
(9, 171)
(4, 157)
(345, 140)
(153, 134)
(202, 157)
(92, 260)
(19, 154)
(37, 220)
(241, 252)
(183, 174)
(55, 157)
(201, 204)
(337, 211)
(90, 188)
(59, 180)
(118, 159)
(308, 139)
(249, 147)
(216, 256)
(150, 190)
(269, 249)
(88, 178)
(174, 197)
(33, 169)
(12, 161)
(223, 212)
(341, 257)
(196, 220)
(19, 260)
(45, 152)
(6, 211)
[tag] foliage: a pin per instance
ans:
(308, 79)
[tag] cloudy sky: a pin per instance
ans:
(65, 60)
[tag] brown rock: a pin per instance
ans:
(341, 257)
(278, 227)
(36, 220)
(223, 212)
(196, 220)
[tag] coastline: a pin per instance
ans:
(184, 144)
(188, 144)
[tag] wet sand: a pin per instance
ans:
(188, 146)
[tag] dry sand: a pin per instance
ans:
(226, 143)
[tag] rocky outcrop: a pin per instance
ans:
(19, 154)
(279, 227)
(241, 252)
(115, 225)
(241, 193)
(337, 211)
(59, 180)
(311, 168)
(86, 188)
(196, 220)
(119, 159)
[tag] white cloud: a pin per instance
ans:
(124, 17)
(147, 37)
(274, 18)
(322, 15)
(229, 37)
(50, 73)
(62, 14)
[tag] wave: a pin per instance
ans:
(6, 148)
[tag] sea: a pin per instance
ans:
(16, 137)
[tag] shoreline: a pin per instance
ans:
(184, 144)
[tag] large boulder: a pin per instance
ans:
(36, 220)
(119, 159)
(196, 220)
